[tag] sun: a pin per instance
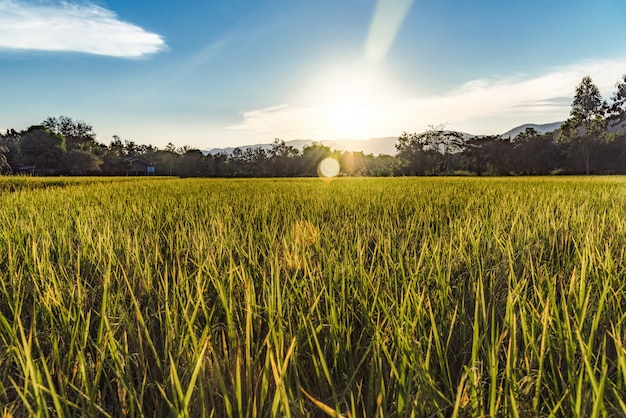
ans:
(349, 99)
(349, 119)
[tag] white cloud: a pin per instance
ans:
(483, 106)
(72, 27)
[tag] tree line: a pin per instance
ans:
(63, 146)
(591, 141)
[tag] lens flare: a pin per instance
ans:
(385, 26)
(329, 167)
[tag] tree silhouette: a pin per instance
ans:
(42, 148)
(586, 127)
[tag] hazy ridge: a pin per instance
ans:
(378, 146)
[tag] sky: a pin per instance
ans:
(211, 74)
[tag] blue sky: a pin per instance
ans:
(225, 73)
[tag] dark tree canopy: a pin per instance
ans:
(41, 148)
(79, 162)
(617, 110)
(77, 134)
(428, 152)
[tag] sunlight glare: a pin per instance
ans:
(348, 98)
(386, 23)
(349, 119)
(329, 167)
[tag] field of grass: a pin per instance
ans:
(294, 297)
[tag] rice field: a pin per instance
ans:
(417, 297)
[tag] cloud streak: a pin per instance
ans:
(483, 106)
(72, 27)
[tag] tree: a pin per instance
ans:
(9, 141)
(528, 134)
(282, 159)
(534, 153)
(192, 163)
(167, 160)
(312, 156)
(5, 167)
(414, 157)
(77, 134)
(80, 163)
(42, 148)
(114, 164)
(586, 126)
(430, 149)
(617, 110)
(488, 155)
(588, 109)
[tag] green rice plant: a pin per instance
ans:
(309, 297)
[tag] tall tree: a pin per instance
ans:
(588, 108)
(80, 163)
(586, 126)
(533, 153)
(42, 148)
(617, 110)
(490, 155)
(9, 141)
(312, 155)
(414, 156)
(78, 134)
(435, 143)
(282, 159)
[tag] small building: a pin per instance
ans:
(139, 167)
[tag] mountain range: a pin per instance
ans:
(378, 146)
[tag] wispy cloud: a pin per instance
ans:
(72, 27)
(483, 106)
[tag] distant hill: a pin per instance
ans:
(541, 129)
(374, 146)
(379, 146)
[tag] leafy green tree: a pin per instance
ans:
(80, 163)
(253, 162)
(10, 144)
(353, 163)
(528, 134)
(588, 110)
(586, 127)
(381, 165)
(312, 155)
(42, 148)
(617, 110)
(534, 153)
(192, 163)
(5, 167)
(117, 146)
(414, 155)
(167, 160)
(588, 105)
(430, 149)
(490, 155)
(282, 159)
(77, 134)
